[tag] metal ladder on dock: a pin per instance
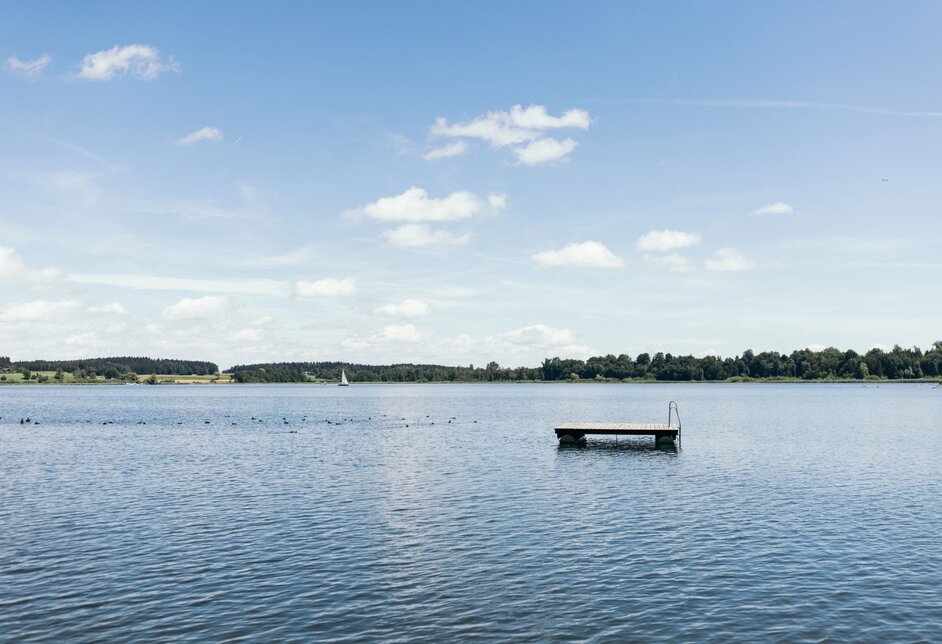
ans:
(672, 408)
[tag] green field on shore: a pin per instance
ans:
(49, 378)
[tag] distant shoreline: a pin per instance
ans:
(802, 365)
(735, 381)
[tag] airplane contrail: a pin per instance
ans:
(232, 145)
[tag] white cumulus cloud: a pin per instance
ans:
(401, 333)
(534, 342)
(663, 240)
(39, 310)
(410, 308)
(540, 335)
(196, 308)
(454, 149)
(421, 235)
(521, 125)
(13, 270)
(203, 134)
(415, 205)
(729, 259)
(28, 69)
(673, 261)
(589, 254)
(327, 287)
(82, 339)
(12, 267)
(544, 151)
(777, 208)
(518, 125)
(497, 202)
(142, 61)
(246, 335)
(114, 308)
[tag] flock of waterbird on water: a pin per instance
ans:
(285, 421)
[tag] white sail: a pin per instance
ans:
(343, 378)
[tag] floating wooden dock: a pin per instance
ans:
(576, 432)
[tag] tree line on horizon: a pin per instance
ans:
(802, 364)
(117, 368)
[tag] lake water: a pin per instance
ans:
(790, 512)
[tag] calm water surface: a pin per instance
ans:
(791, 512)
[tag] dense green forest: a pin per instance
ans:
(271, 373)
(803, 364)
(299, 372)
(116, 368)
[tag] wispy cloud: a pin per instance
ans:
(327, 287)
(28, 69)
(77, 149)
(451, 150)
(589, 254)
(197, 308)
(113, 308)
(665, 240)
(141, 61)
(160, 283)
(544, 151)
(193, 210)
(297, 257)
(854, 244)
(777, 208)
(785, 105)
(410, 308)
(729, 260)
(920, 265)
(203, 134)
(673, 261)
(403, 144)
(422, 235)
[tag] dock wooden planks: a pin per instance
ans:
(629, 429)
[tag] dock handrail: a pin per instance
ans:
(672, 408)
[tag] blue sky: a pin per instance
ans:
(465, 182)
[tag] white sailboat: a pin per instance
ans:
(343, 379)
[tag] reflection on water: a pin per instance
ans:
(792, 512)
